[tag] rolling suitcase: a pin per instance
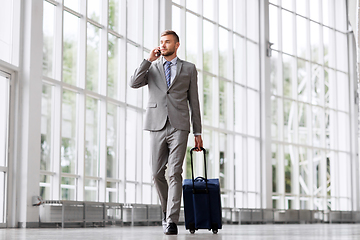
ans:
(202, 204)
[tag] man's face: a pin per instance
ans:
(168, 46)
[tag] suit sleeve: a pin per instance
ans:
(140, 77)
(194, 102)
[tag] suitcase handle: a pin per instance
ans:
(192, 172)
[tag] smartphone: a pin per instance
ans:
(158, 53)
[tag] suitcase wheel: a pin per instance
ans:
(192, 231)
(215, 231)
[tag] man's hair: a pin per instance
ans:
(170, 32)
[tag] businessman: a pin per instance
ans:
(172, 85)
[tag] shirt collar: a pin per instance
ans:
(173, 62)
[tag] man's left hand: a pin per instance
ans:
(198, 143)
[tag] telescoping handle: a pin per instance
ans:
(192, 172)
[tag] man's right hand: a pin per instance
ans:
(152, 56)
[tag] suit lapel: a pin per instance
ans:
(178, 69)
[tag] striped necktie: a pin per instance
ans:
(168, 73)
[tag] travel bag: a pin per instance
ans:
(202, 204)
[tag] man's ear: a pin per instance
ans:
(177, 45)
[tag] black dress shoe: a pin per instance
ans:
(171, 229)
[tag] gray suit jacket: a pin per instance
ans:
(172, 102)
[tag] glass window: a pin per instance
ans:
(224, 168)
(288, 166)
(322, 117)
(192, 38)
(252, 20)
(340, 16)
(251, 165)
(239, 171)
(326, 36)
(329, 171)
(6, 31)
(131, 189)
(113, 66)
(223, 52)
(315, 10)
(302, 89)
(316, 88)
(302, 123)
(176, 20)
(210, 155)
(192, 5)
(315, 41)
(274, 163)
(326, 12)
(317, 172)
(288, 64)
(253, 79)
(317, 115)
(114, 15)
(48, 39)
(253, 113)
(273, 33)
(73, 4)
(341, 48)
(45, 190)
(239, 16)
(287, 4)
(111, 192)
(149, 29)
(70, 48)
(274, 74)
(68, 188)
(287, 32)
(332, 129)
(111, 143)
(223, 103)
(208, 99)
(342, 89)
(343, 131)
(224, 13)
(331, 89)
(3, 197)
(239, 93)
(301, 7)
(239, 60)
(302, 37)
(304, 171)
(147, 175)
(344, 180)
(93, 58)
(274, 117)
(68, 132)
(289, 114)
(146, 192)
(133, 95)
(4, 119)
(92, 137)
(133, 20)
(94, 9)
(91, 190)
(131, 129)
(208, 45)
(209, 9)
(46, 127)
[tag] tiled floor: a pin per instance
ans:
(251, 232)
